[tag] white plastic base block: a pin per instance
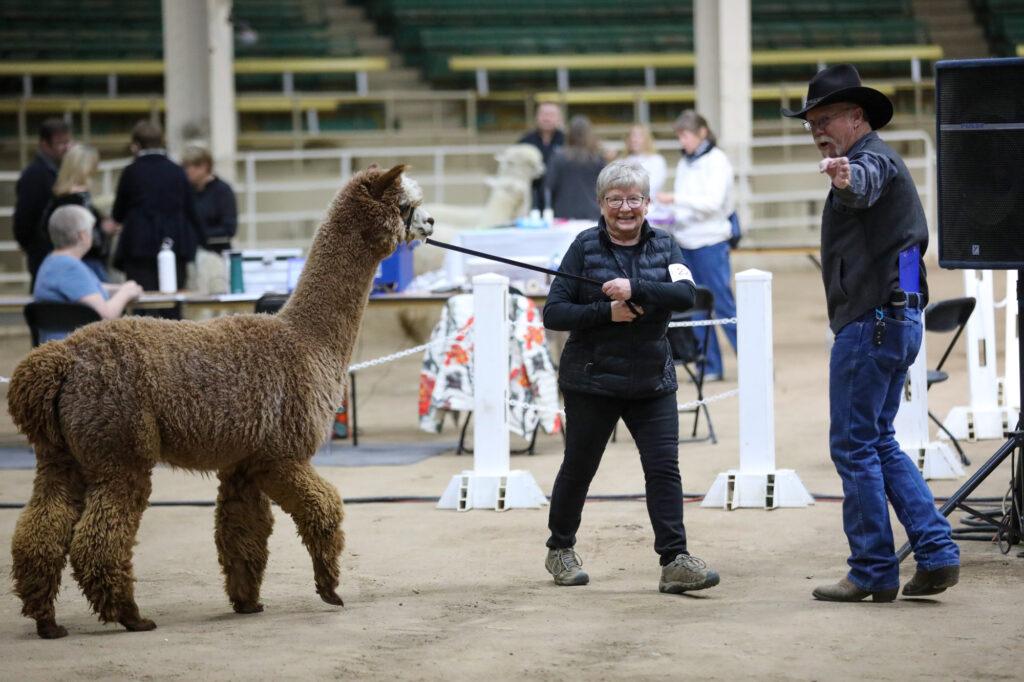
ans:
(971, 424)
(936, 460)
(780, 488)
(469, 490)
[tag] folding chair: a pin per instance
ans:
(54, 317)
(270, 303)
(947, 316)
(689, 350)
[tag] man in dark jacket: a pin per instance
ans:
(154, 202)
(35, 190)
(617, 364)
(547, 137)
(873, 237)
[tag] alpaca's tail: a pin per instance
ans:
(34, 391)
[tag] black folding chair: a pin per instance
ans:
(63, 318)
(270, 303)
(689, 350)
(947, 316)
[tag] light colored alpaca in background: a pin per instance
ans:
(510, 198)
(114, 399)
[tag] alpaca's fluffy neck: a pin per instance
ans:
(329, 300)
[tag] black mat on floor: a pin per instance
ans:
(332, 454)
(342, 454)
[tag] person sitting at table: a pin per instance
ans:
(64, 278)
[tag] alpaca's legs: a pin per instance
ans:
(42, 537)
(101, 550)
(316, 507)
(244, 523)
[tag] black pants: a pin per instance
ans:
(654, 425)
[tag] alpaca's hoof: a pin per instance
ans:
(47, 628)
(138, 625)
(247, 607)
(331, 597)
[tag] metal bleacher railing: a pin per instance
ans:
(305, 109)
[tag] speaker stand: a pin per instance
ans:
(1007, 528)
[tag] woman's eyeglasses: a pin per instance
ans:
(632, 202)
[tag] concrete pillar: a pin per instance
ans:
(199, 85)
(721, 31)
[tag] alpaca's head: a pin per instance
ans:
(521, 161)
(388, 206)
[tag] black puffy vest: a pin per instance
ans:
(623, 360)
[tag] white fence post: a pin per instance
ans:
(983, 419)
(757, 483)
(1009, 387)
(934, 459)
(491, 485)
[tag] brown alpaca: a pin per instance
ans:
(249, 396)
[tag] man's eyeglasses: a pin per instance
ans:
(822, 122)
(632, 202)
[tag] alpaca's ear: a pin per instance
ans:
(381, 184)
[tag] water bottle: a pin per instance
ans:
(167, 268)
(237, 283)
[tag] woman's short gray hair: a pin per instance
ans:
(67, 223)
(623, 174)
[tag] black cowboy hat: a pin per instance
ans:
(841, 83)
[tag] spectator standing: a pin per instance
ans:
(34, 190)
(154, 202)
(702, 202)
(572, 173)
(547, 137)
(640, 149)
(72, 188)
(64, 278)
(215, 200)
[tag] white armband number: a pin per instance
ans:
(678, 271)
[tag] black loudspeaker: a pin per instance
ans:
(979, 113)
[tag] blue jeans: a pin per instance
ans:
(865, 385)
(711, 270)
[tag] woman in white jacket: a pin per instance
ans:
(702, 202)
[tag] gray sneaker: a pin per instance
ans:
(565, 565)
(686, 573)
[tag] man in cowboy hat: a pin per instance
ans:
(873, 235)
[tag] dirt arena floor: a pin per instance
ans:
(434, 595)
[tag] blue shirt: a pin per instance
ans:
(64, 279)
